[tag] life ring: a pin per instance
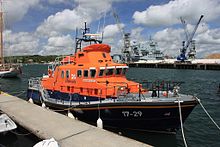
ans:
(165, 93)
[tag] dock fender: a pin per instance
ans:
(30, 100)
(43, 105)
(70, 115)
(99, 123)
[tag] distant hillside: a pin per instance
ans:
(30, 59)
(213, 56)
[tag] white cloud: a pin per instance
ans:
(22, 43)
(49, 37)
(112, 30)
(64, 21)
(112, 36)
(136, 33)
(69, 20)
(207, 40)
(169, 40)
(169, 14)
(58, 45)
(57, 1)
(15, 9)
(60, 41)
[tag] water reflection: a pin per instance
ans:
(151, 138)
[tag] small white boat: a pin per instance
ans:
(6, 124)
(11, 72)
(47, 143)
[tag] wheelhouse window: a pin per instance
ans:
(62, 74)
(109, 72)
(104, 55)
(86, 73)
(124, 70)
(118, 71)
(92, 73)
(67, 74)
(101, 72)
(79, 73)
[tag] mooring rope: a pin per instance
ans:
(181, 124)
(207, 113)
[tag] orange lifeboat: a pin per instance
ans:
(92, 87)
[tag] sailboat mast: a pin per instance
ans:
(1, 34)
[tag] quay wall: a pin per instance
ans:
(176, 66)
(68, 132)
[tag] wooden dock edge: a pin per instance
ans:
(68, 132)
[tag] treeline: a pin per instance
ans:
(30, 59)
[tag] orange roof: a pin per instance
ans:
(97, 47)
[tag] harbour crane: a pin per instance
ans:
(192, 49)
(126, 50)
(182, 57)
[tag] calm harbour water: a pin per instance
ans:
(198, 128)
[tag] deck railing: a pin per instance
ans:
(110, 91)
(34, 83)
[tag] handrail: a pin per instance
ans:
(35, 83)
(109, 90)
(161, 85)
(58, 62)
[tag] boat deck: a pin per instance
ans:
(68, 132)
(130, 98)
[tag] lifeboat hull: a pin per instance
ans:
(136, 115)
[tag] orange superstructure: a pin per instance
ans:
(91, 72)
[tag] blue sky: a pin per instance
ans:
(47, 26)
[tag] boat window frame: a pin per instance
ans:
(108, 73)
(111, 68)
(84, 73)
(103, 55)
(80, 73)
(67, 74)
(103, 73)
(120, 72)
(124, 70)
(90, 73)
(62, 74)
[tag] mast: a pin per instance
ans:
(1, 34)
(86, 37)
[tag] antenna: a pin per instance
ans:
(103, 26)
(76, 35)
(87, 37)
(98, 27)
